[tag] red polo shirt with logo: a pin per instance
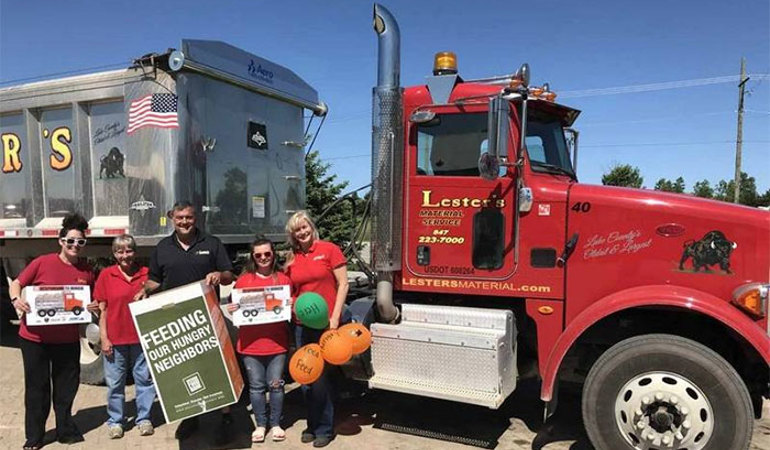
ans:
(314, 271)
(117, 291)
(265, 339)
(50, 270)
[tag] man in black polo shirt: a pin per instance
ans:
(187, 256)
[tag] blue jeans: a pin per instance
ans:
(116, 367)
(319, 395)
(266, 372)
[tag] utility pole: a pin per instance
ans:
(739, 139)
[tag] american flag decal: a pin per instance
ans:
(153, 110)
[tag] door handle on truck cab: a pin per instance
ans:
(569, 247)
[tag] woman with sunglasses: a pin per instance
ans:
(115, 289)
(51, 353)
(263, 347)
(316, 266)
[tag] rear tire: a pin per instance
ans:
(665, 391)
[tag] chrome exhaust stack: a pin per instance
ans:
(387, 136)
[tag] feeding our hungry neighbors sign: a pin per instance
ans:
(188, 350)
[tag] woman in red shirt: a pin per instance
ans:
(51, 353)
(316, 266)
(263, 347)
(115, 289)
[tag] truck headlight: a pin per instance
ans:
(752, 298)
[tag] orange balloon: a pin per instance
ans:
(307, 364)
(336, 347)
(361, 336)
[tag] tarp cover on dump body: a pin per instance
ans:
(250, 68)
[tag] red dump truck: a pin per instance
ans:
(493, 263)
(50, 304)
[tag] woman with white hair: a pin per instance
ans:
(316, 266)
(115, 289)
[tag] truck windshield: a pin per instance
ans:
(546, 146)
(450, 145)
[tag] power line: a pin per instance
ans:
(671, 144)
(654, 119)
(346, 157)
(659, 86)
(68, 72)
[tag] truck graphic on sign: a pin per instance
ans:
(254, 304)
(51, 303)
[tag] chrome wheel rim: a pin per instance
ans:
(664, 410)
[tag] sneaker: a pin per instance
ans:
(278, 434)
(146, 428)
(186, 428)
(115, 431)
(321, 441)
(307, 436)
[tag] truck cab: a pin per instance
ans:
(493, 263)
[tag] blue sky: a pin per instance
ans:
(574, 46)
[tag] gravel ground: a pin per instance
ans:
(377, 420)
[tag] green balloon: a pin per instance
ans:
(312, 311)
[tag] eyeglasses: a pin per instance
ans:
(72, 241)
(263, 255)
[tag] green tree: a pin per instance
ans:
(703, 189)
(764, 199)
(725, 191)
(670, 186)
(623, 175)
(322, 191)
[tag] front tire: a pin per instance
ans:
(665, 391)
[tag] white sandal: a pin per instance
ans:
(258, 435)
(278, 434)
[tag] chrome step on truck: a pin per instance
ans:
(454, 353)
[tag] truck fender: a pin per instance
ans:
(653, 295)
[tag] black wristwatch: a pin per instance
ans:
(14, 299)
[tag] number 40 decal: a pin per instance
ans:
(581, 207)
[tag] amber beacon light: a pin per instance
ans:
(444, 63)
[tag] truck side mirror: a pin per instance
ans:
(572, 145)
(497, 138)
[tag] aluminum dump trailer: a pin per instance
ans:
(208, 122)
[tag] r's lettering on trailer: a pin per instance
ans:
(60, 158)
(11, 149)
(61, 154)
